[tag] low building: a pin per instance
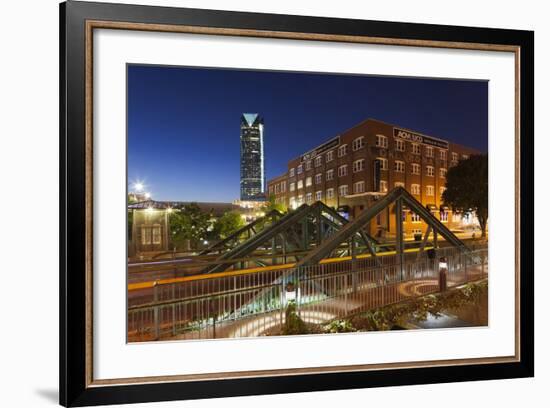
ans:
(352, 170)
(149, 227)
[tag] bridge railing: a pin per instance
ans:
(254, 304)
(203, 284)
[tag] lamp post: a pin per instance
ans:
(442, 274)
(290, 292)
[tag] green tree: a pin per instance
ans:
(189, 223)
(467, 188)
(271, 205)
(227, 224)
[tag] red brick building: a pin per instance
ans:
(351, 170)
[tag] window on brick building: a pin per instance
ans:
(358, 143)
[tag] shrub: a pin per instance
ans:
(418, 310)
(339, 326)
(293, 323)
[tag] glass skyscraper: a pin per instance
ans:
(252, 157)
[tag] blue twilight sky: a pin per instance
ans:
(184, 123)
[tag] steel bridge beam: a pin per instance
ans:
(260, 238)
(293, 228)
(273, 214)
(352, 228)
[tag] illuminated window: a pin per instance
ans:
(400, 145)
(151, 234)
(330, 155)
(318, 195)
(318, 161)
(283, 186)
(383, 163)
(308, 181)
(381, 141)
(330, 174)
(443, 216)
(343, 190)
(465, 157)
(416, 148)
(342, 150)
(442, 172)
(443, 154)
(292, 202)
(454, 157)
(300, 184)
(442, 190)
(399, 184)
(330, 193)
(358, 165)
(300, 169)
(383, 186)
(415, 168)
(318, 178)
(430, 191)
(300, 200)
(429, 171)
(429, 151)
(156, 234)
(308, 165)
(292, 186)
(291, 172)
(359, 187)
(415, 189)
(415, 217)
(343, 170)
(358, 143)
(309, 198)
(399, 166)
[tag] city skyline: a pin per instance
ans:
(183, 123)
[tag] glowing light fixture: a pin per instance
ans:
(291, 292)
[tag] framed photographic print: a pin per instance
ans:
(255, 203)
